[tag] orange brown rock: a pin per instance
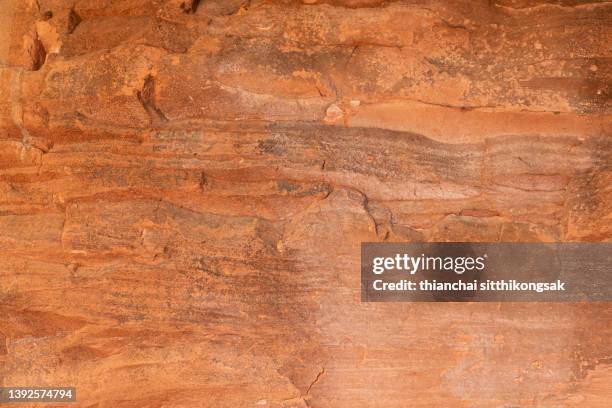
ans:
(184, 186)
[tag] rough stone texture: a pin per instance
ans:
(184, 186)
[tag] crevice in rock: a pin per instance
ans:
(146, 96)
(73, 21)
(189, 6)
(317, 378)
(35, 52)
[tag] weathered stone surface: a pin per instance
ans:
(184, 186)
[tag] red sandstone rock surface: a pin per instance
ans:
(184, 186)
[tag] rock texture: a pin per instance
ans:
(184, 186)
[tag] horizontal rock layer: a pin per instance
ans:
(184, 186)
